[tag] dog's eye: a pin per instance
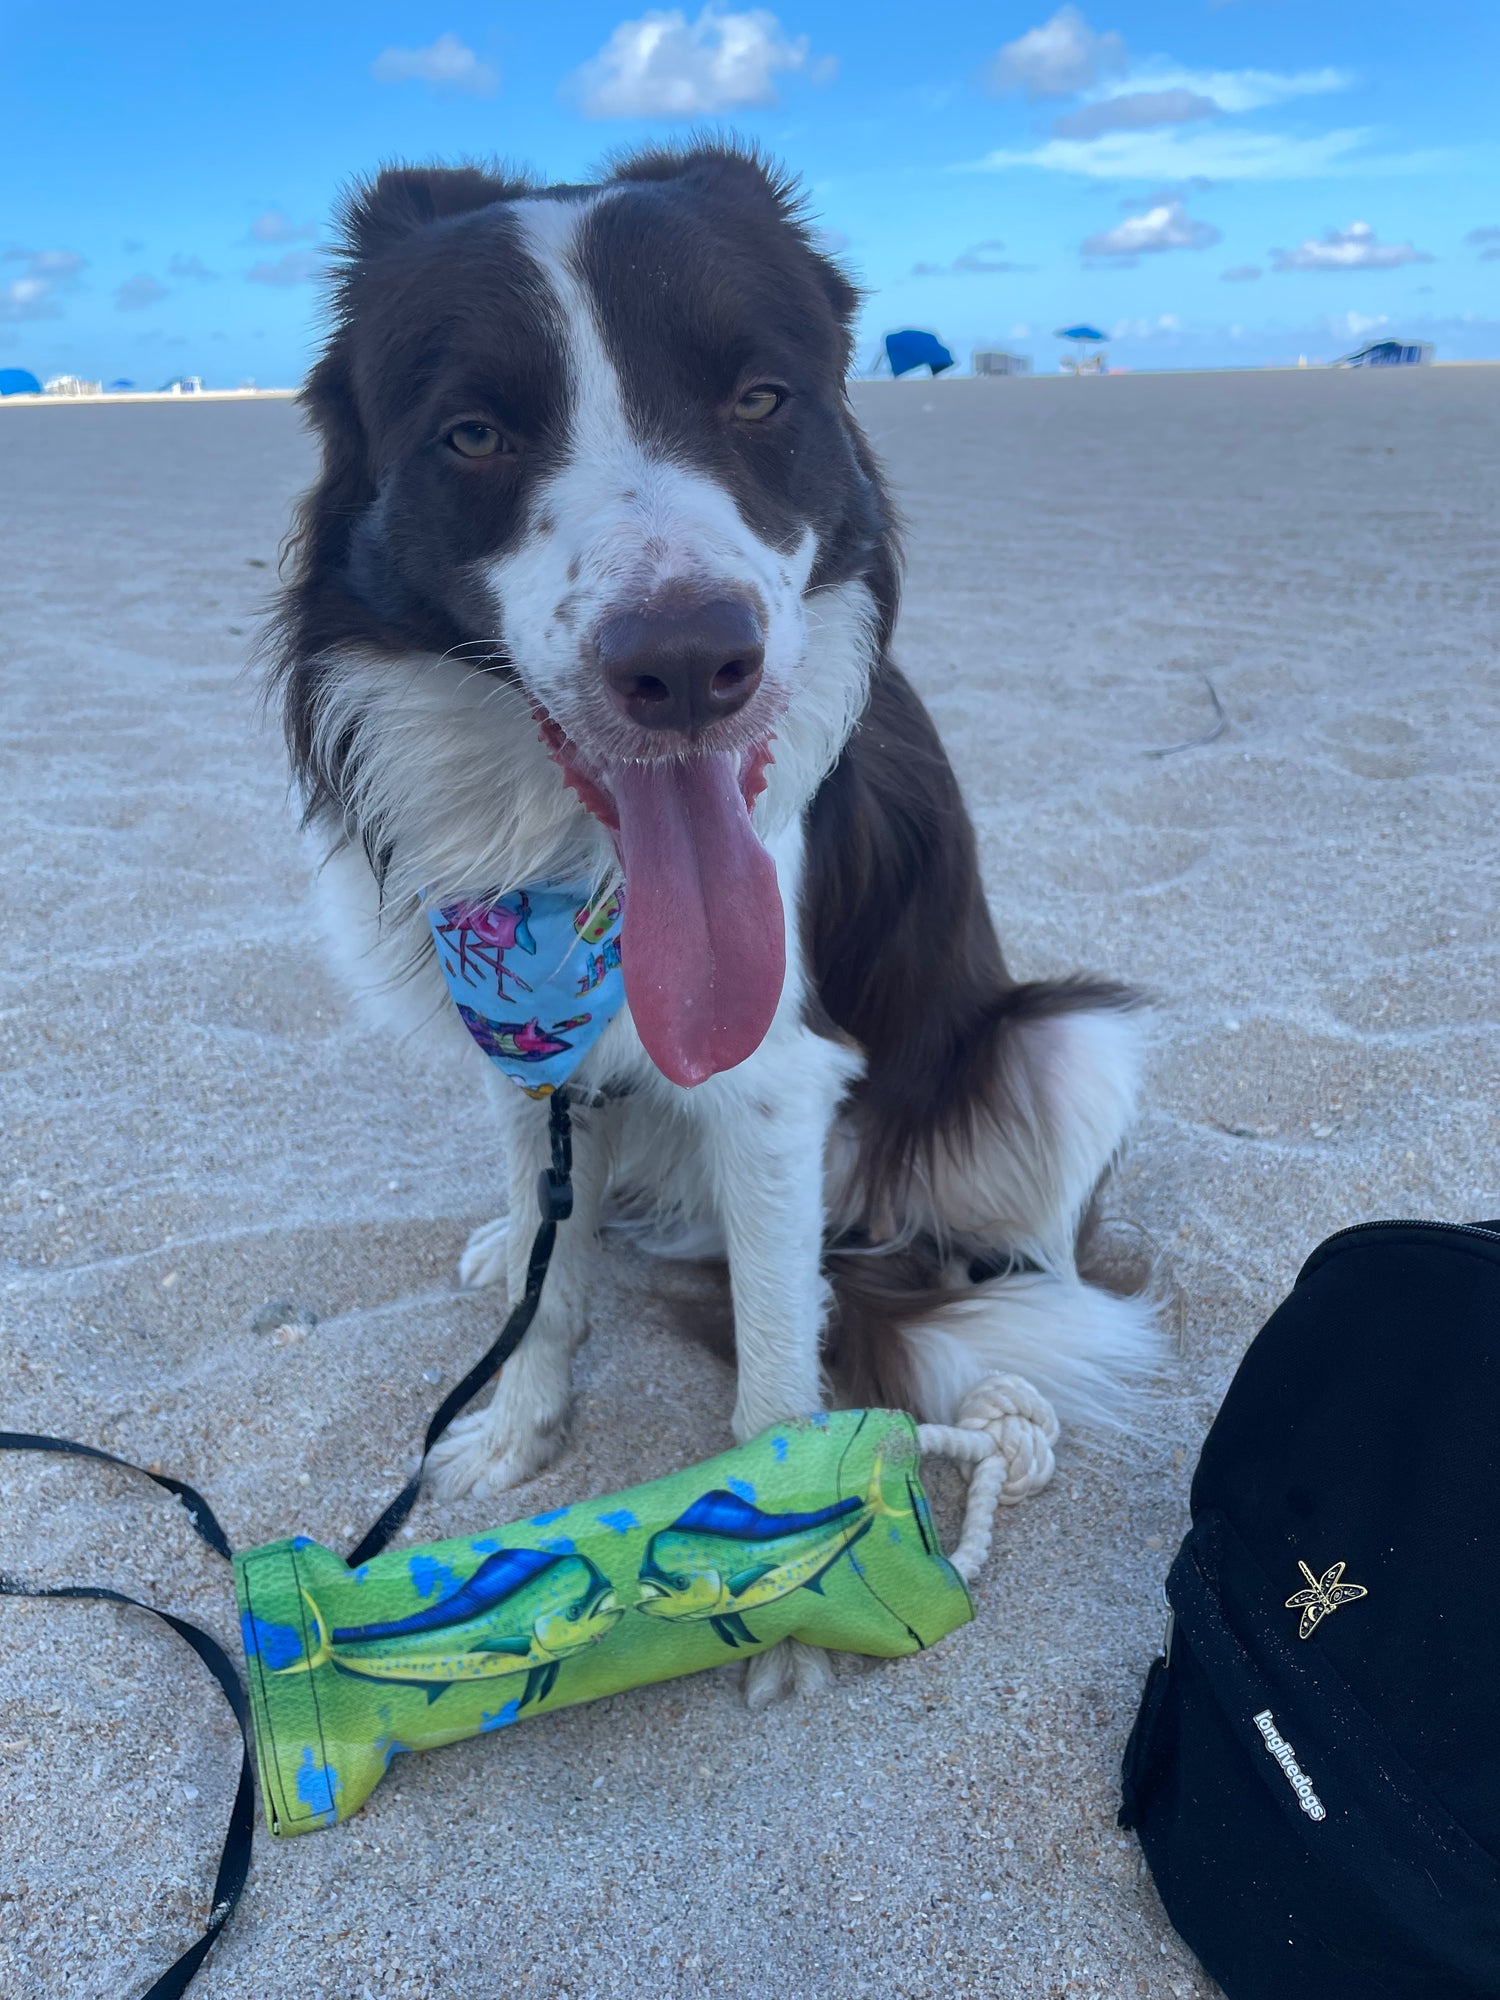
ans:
(759, 403)
(477, 440)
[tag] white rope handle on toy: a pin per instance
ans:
(1006, 1430)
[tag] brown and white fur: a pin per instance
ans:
(899, 1173)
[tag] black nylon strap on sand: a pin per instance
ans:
(234, 1857)
(205, 1521)
(555, 1192)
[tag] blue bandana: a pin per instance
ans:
(535, 976)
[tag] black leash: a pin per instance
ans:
(234, 1858)
(555, 1194)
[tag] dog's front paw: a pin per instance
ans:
(483, 1261)
(487, 1453)
(790, 1668)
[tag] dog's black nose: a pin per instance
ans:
(680, 665)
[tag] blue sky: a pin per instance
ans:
(991, 172)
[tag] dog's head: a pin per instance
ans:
(594, 442)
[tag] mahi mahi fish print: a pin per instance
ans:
(725, 1556)
(523, 1611)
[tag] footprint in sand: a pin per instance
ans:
(1376, 746)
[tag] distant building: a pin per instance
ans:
(70, 385)
(19, 382)
(182, 385)
(1389, 354)
(990, 361)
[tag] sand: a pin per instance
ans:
(198, 1130)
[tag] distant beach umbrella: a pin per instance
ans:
(122, 383)
(1079, 333)
(19, 382)
(1389, 354)
(913, 349)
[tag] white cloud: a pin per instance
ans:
(34, 294)
(276, 226)
(1222, 154)
(139, 292)
(56, 266)
(1168, 226)
(293, 267)
(1128, 123)
(1356, 248)
(1145, 329)
(1240, 89)
(28, 298)
(1355, 325)
(190, 267)
(664, 66)
(979, 257)
(1240, 274)
(447, 64)
(1135, 111)
(1062, 56)
(983, 257)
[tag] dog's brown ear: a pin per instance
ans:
(400, 200)
(745, 171)
(742, 169)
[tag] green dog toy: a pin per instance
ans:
(818, 1531)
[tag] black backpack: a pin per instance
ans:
(1314, 1774)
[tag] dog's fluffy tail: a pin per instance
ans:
(1089, 1351)
(1007, 1198)
(921, 1347)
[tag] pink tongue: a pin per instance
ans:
(704, 946)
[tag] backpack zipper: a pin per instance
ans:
(1399, 1222)
(1411, 1222)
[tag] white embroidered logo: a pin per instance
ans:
(1296, 1777)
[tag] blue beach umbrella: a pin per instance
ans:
(1079, 333)
(19, 382)
(913, 349)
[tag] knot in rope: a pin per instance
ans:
(1023, 1425)
(1005, 1430)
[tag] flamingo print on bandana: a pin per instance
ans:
(537, 1023)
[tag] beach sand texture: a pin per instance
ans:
(197, 1130)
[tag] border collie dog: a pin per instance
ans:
(597, 582)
